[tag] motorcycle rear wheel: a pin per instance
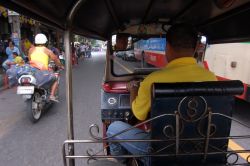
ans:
(33, 107)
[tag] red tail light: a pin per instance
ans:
(205, 64)
(115, 87)
(25, 80)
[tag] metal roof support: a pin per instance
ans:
(70, 128)
(67, 43)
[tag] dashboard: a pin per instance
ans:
(115, 107)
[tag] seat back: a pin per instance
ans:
(189, 116)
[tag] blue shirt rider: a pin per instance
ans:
(9, 51)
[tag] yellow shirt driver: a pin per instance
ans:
(182, 67)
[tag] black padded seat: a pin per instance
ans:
(190, 103)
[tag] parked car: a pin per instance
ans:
(120, 54)
(129, 56)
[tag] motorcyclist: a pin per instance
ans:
(39, 57)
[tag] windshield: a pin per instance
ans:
(144, 57)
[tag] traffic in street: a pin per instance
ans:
(124, 83)
(39, 144)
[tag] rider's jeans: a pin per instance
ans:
(122, 148)
(5, 66)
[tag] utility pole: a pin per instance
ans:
(15, 27)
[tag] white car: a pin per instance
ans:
(129, 55)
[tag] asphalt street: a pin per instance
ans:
(25, 144)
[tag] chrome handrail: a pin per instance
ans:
(91, 155)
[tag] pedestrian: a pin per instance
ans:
(9, 51)
(83, 50)
(55, 50)
(62, 56)
(77, 51)
(18, 60)
(26, 45)
(89, 50)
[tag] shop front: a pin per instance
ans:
(5, 31)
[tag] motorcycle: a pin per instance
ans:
(36, 96)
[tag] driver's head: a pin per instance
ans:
(181, 41)
(40, 39)
(121, 42)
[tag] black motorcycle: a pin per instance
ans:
(36, 93)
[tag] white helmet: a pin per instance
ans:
(40, 39)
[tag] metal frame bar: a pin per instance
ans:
(208, 134)
(73, 11)
(91, 155)
(152, 155)
(69, 92)
(173, 115)
(70, 128)
(155, 140)
(177, 132)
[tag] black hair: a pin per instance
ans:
(11, 41)
(182, 36)
(15, 53)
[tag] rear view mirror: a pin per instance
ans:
(200, 49)
(121, 42)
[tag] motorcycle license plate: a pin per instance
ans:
(25, 90)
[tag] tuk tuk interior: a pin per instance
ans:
(219, 20)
